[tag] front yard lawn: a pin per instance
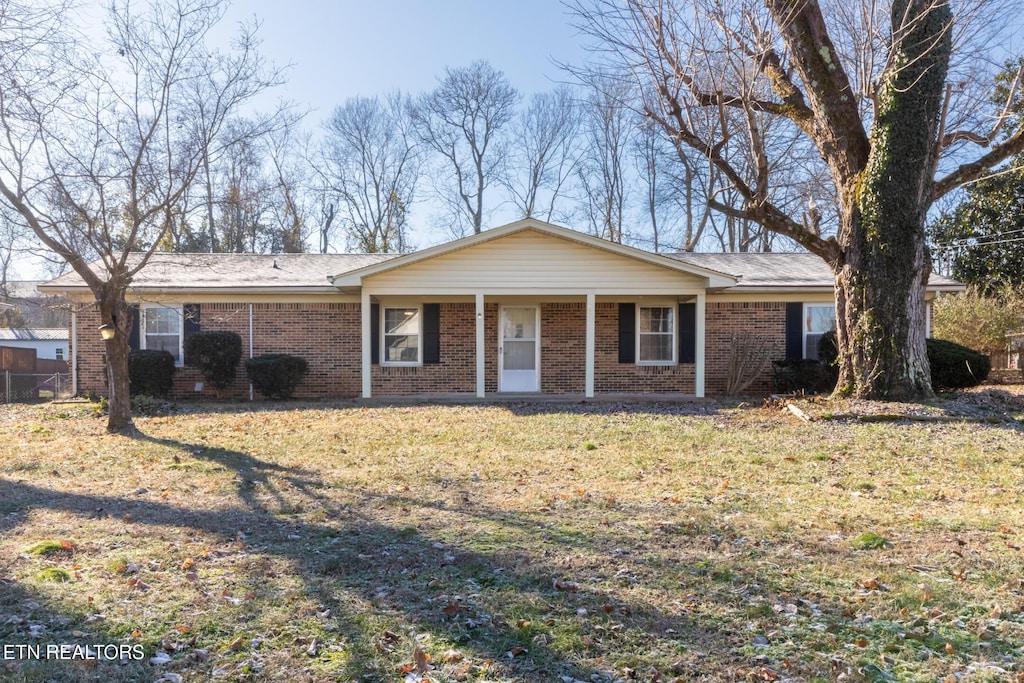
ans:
(509, 542)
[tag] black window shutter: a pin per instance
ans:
(133, 336)
(431, 333)
(375, 334)
(191, 314)
(794, 331)
(688, 333)
(627, 333)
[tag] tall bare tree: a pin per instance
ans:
(865, 83)
(371, 163)
(97, 146)
(545, 153)
(289, 175)
(609, 125)
(463, 121)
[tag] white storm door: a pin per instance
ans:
(519, 349)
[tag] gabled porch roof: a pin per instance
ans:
(549, 255)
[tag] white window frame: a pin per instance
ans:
(674, 313)
(804, 324)
(180, 360)
(384, 336)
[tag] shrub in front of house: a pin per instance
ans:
(275, 375)
(151, 372)
(216, 354)
(800, 375)
(952, 366)
(955, 366)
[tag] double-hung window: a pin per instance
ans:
(402, 338)
(656, 335)
(818, 319)
(161, 330)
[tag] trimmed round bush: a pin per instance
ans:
(952, 366)
(151, 372)
(216, 354)
(956, 367)
(275, 375)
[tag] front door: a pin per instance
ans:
(519, 349)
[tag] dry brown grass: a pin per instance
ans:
(514, 542)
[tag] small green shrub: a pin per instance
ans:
(955, 366)
(216, 354)
(952, 366)
(151, 372)
(801, 375)
(275, 375)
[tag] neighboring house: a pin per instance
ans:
(38, 310)
(524, 308)
(49, 343)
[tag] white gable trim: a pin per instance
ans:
(713, 279)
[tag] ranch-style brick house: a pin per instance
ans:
(526, 308)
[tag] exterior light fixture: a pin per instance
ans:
(107, 332)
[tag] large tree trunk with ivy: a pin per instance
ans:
(793, 103)
(884, 264)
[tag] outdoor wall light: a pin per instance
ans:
(107, 332)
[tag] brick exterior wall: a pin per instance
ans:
(563, 348)
(612, 376)
(764, 322)
(456, 373)
(327, 335)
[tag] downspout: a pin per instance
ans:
(74, 353)
(250, 347)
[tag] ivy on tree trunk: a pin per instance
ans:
(884, 267)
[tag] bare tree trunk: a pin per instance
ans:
(884, 267)
(115, 312)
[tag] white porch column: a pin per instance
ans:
(364, 328)
(698, 368)
(481, 356)
(591, 345)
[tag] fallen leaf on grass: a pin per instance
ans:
(420, 664)
(236, 644)
(570, 586)
(137, 584)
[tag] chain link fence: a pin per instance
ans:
(23, 387)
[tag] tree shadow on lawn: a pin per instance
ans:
(379, 590)
(256, 475)
(371, 591)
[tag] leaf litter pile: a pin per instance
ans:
(513, 542)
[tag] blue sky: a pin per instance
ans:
(343, 48)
